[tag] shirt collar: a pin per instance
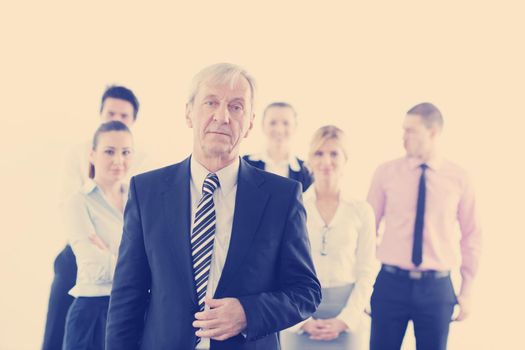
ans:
(293, 162)
(227, 175)
(310, 194)
(434, 163)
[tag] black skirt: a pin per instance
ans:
(86, 324)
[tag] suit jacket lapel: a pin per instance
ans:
(177, 214)
(250, 202)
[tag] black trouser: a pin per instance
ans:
(428, 302)
(59, 300)
(86, 324)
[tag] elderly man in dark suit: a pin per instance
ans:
(221, 246)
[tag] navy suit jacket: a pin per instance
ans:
(268, 266)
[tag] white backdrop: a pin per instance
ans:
(359, 66)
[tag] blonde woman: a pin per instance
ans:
(94, 219)
(342, 237)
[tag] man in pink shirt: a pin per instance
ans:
(422, 199)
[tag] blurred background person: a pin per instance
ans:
(279, 126)
(422, 199)
(94, 219)
(342, 236)
(118, 103)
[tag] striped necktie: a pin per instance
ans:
(202, 237)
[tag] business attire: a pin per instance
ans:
(261, 256)
(421, 204)
(87, 213)
(292, 168)
(75, 176)
(343, 252)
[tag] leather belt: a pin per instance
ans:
(413, 274)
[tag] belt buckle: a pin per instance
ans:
(415, 275)
(442, 274)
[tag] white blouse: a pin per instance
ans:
(344, 251)
(89, 212)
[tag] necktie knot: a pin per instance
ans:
(210, 184)
(423, 166)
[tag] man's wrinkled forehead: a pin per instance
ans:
(219, 82)
(237, 87)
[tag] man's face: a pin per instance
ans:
(117, 109)
(220, 115)
(418, 139)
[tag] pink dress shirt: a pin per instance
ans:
(449, 201)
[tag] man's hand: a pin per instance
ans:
(328, 329)
(464, 308)
(224, 319)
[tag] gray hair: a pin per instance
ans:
(221, 73)
(430, 114)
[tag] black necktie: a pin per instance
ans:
(417, 249)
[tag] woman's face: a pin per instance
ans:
(279, 125)
(328, 161)
(112, 156)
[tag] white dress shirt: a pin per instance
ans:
(348, 254)
(224, 203)
(88, 212)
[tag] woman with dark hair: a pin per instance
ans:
(118, 103)
(94, 219)
(279, 125)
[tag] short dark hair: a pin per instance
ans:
(113, 125)
(280, 105)
(429, 113)
(121, 93)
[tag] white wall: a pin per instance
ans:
(357, 66)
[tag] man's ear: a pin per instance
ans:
(251, 125)
(189, 122)
(435, 131)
